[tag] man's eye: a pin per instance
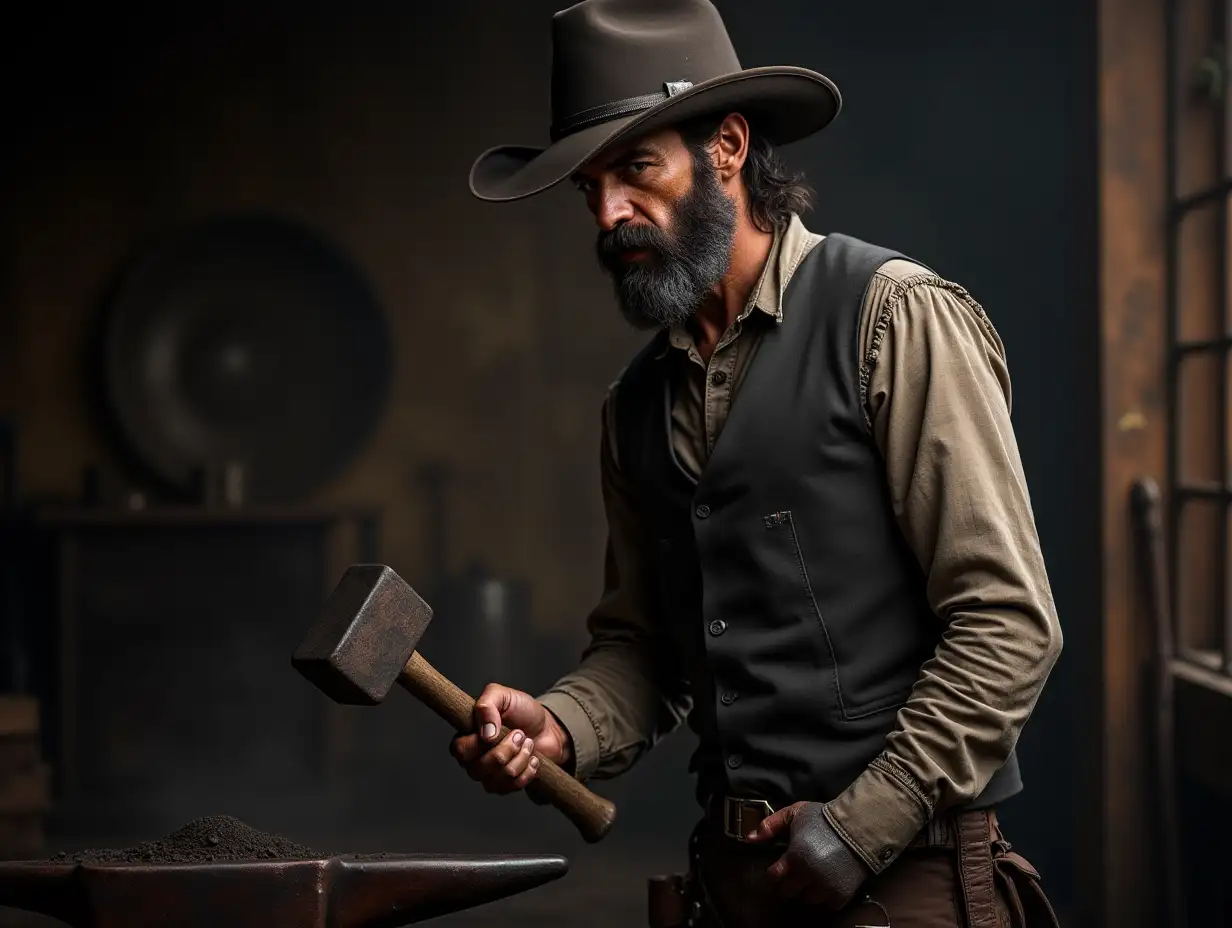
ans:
(638, 166)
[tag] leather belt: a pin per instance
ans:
(739, 815)
(942, 832)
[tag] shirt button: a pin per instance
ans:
(719, 378)
(887, 855)
(728, 698)
(703, 511)
(735, 761)
(718, 627)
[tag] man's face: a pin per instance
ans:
(666, 226)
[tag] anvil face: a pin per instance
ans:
(367, 631)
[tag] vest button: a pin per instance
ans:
(728, 698)
(887, 855)
(735, 761)
(718, 627)
(703, 511)
(719, 378)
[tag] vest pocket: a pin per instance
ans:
(781, 527)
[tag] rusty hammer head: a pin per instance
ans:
(367, 631)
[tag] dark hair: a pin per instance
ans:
(774, 193)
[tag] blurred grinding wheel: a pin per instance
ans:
(249, 341)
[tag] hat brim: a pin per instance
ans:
(786, 104)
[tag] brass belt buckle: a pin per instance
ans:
(734, 825)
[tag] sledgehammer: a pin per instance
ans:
(364, 642)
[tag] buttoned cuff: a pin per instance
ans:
(581, 728)
(880, 813)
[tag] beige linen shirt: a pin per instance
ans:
(936, 395)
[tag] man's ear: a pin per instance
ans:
(731, 147)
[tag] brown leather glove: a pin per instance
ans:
(818, 866)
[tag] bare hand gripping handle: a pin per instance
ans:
(593, 815)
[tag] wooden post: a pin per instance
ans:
(1115, 883)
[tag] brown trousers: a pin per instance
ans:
(960, 874)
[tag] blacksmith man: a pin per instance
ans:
(821, 545)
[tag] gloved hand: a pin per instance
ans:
(817, 866)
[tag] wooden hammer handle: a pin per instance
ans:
(593, 815)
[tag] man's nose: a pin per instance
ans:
(611, 209)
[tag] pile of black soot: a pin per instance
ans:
(213, 839)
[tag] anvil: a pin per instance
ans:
(353, 891)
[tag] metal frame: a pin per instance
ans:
(1181, 492)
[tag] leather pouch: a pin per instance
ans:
(1020, 885)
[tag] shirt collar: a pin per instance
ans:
(790, 246)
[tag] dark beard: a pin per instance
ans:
(684, 266)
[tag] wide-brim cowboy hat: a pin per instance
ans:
(624, 68)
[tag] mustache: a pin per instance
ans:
(628, 237)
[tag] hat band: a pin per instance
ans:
(616, 109)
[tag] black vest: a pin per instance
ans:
(798, 612)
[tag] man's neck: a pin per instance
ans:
(750, 251)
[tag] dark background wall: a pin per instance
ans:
(966, 140)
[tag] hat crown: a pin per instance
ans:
(609, 50)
